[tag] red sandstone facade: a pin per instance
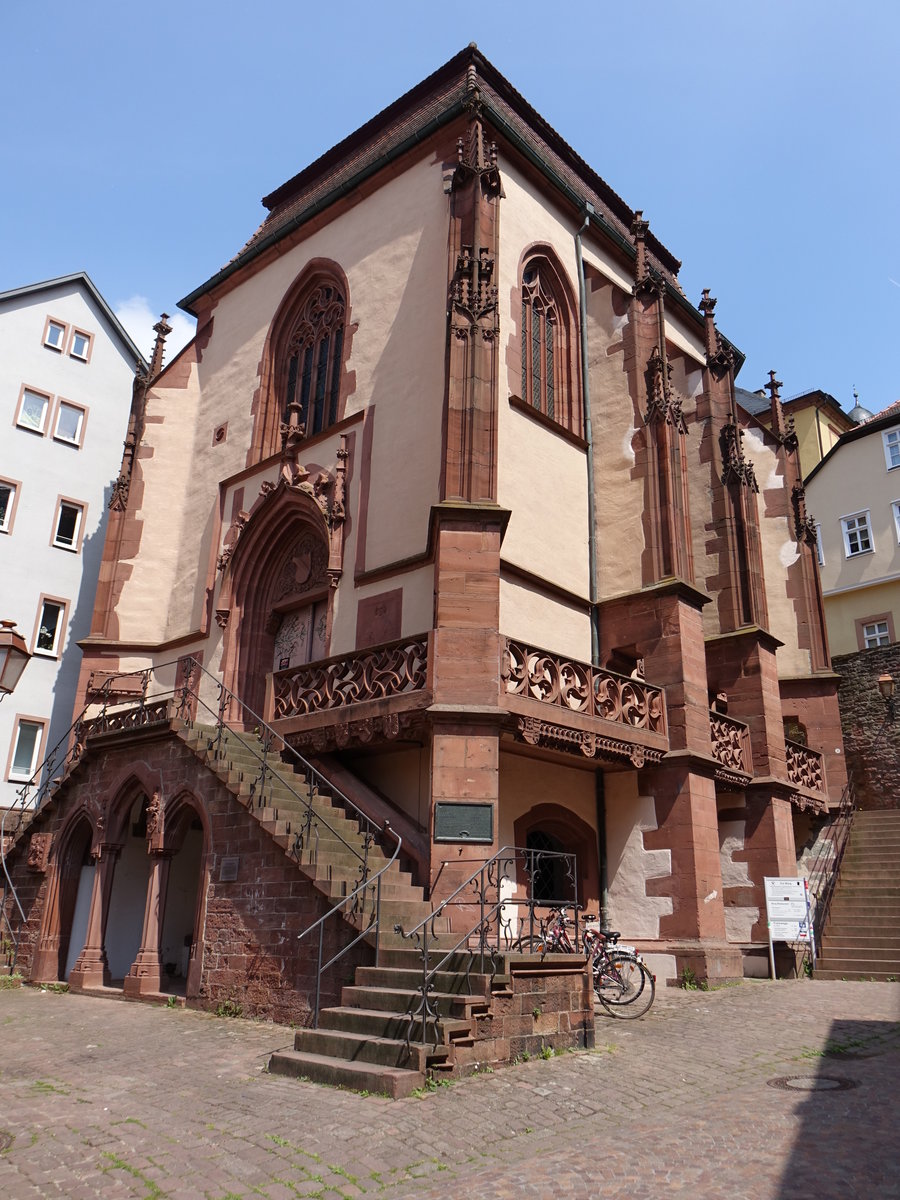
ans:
(454, 490)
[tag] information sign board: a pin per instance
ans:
(787, 910)
(787, 907)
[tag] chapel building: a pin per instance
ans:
(454, 491)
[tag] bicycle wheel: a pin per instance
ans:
(533, 943)
(623, 985)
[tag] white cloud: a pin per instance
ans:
(139, 318)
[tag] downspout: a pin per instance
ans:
(592, 552)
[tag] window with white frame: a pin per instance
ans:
(81, 345)
(875, 633)
(7, 504)
(33, 409)
(26, 749)
(55, 335)
(68, 525)
(51, 624)
(820, 546)
(896, 508)
(857, 534)
(69, 423)
(891, 438)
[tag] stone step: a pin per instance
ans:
(360, 1077)
(444, 1004)
(373, 1022)
(847, 951)
(856, 970)
(862, 935)
(410, 959)
(411, 980)
(362, 1048)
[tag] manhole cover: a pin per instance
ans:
(6, 1140)
(812, 1083)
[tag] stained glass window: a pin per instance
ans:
(545, 341)
(315, 349)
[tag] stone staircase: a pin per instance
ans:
(331, 859)
(862, 935)
(361, 1044)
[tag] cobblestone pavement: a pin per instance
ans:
(104, 1098)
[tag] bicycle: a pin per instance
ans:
(623, 983)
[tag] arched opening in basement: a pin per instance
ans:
(76, 884)
(128, 896)
(182, 914)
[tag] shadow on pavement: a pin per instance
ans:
(848, 1110)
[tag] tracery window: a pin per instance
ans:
(312, 375)
(547, 375)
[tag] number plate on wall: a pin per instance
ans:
(463, 822)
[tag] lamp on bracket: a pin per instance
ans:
(886, 688)
(14, 657)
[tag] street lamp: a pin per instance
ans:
(886, 687)
(14, 657)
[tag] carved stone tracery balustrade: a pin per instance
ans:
(730, 743)
(372, 674)
(581, 688)
(805, 767)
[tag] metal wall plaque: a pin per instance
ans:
(228, 870)
(463, 822)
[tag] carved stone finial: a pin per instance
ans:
(707, 304)
(639, 229)
(639, 226)
(735, 467)
(162, 329)
(772, 387)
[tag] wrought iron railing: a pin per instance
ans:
(491, 890)
(805, 767)
(143, 708)
(730, 743)
(579, 687)
(354, 903)
(372, 674)
(825, 868)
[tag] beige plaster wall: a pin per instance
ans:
(629, 865)
(856, 479)
(739, 919)
(160, 584)
(780, 552)
(619, 498)
(542, 477)
(544, 622)
(844, 609)
(393, 248)
(527, 782)
(401, 777)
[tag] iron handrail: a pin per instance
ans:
(826, 866)
(107, 720)
(489, 877)
(374, 923)
(45, 775)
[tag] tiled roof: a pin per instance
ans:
(432, 103)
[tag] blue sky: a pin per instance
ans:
(759, 137)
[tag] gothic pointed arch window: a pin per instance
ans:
(548, 372)
(311, 369)
(303, 376)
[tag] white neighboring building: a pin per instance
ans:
(66, 373)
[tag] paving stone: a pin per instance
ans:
(676, 1103)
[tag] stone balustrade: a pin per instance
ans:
(730, 743)
(580, 688)
(375, 673)
(805, 767)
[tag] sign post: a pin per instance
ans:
(787, 910)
